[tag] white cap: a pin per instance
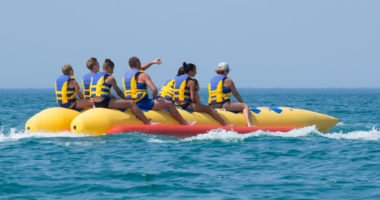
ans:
(224, 66)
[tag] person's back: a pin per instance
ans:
(220, 88)
(93, 65)
(65, 95)
(66, 90)
(167, 90)
(186, 93)
(101, 89)
(218, 93)
(86, 82)
(136, 83)
(132, 88)
(101, 85)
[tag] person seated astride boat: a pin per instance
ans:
(135, 84)
(219, 93)
(167, 91)
(66, 89)
(186, 93)
(101, 85)
(86, 81)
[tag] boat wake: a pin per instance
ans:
(14, 135)
(231, 136)
(214, 135)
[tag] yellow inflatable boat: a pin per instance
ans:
(99, 121)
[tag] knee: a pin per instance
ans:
(245, 106)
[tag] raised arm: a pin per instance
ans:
(77, 90)
(148, 81)
(112, 81)
(148, 64)
(233, 90)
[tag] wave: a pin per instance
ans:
(231, 136)
(15, 135)
(373, 134)
(213, 135)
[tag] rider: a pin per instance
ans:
(86, 81)
(101, 85)
(186, 93)
(219, 92)
(166, 92)
(136, 82)
(66, 89)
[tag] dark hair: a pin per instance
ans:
(181, 71)
(133, 61)
(91, 63)
(108, 63)
(188, 67)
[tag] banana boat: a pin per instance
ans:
(99, 121)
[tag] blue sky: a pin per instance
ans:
(291, 44)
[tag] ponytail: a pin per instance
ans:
(188, 67)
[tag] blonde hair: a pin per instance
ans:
(66, 69)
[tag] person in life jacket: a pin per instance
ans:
(136, 83)
(186, 93)
(220, 88)
(166, 93)
(101, 85)
(66, 90)
(86, 80)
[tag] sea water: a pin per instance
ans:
(302, 164)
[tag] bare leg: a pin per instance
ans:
(84, 103)
(172, 110)
(210, 111)
(163, 100)
(122, 104)
(240, 107)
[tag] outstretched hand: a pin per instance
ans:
(157, 61)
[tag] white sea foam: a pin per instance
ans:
(218, 134)
(15, 135)
(232, 136)
(373, 134)
(340, 124)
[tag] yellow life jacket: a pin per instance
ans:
(216, 92)
(167, 91)
(181, 91)
(132, 89)
(99, 88)
(63, 94)
(86, 85)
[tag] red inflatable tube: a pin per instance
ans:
(188, 131)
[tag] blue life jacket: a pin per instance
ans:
(132, 89)
(99, 88)
(216, 92)
(181, 91)
(64, 95)
(86, 85)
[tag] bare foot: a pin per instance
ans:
(152, 123)
(250, 125)
(192, 123)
